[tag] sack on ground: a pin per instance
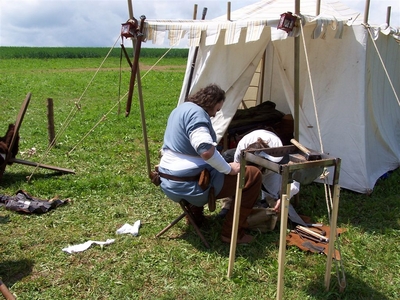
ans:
(262, 219)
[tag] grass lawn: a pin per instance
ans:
(111, 188)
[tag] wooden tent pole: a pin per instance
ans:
(366, 11)
(318, 10)
(135, 65)
(144, 129)
(388, 12)
(194, 59)
(296, 78)
(195, 12)
(141, 102)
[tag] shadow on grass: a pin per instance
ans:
(11, 179)
(12, 271)
(4, 219)
(353, 286)
(375, 212)
(263, 242)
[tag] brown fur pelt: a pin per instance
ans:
(5, 142)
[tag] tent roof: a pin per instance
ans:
(254, 18)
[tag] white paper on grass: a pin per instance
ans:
(132, 229)
(85, 246)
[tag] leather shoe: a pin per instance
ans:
(223, 213)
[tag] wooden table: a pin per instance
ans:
(295, 163)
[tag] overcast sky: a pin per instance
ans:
(97, 23)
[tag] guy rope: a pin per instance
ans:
(324, 176)
(77, 107)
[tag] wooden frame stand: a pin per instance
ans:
(186, 212)
(287, 170)
(9, 159)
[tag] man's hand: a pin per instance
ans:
(235, 168)
(277, 206)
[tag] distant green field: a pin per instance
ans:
(82, 52)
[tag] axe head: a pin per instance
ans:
(312, 155)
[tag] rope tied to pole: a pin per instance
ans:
(340, 274)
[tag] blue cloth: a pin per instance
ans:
(183, 120)
(181, 123)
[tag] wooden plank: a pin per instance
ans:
(35, 164)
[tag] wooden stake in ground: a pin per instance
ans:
(50, 122)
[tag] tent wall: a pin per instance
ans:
(232, 71)
(355, 114)
(382, 111)
(336, 68)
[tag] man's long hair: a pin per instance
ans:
(259, 144)
(208, 96)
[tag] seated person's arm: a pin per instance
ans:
(201, 140)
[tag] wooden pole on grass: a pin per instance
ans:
(282, 247)
(6, 293)
(285, 202)
(332, 235)
(236, 214)
(50, 122)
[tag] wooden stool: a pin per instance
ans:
(9, 159)
(186, 212)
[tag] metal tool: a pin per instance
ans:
(309, 154)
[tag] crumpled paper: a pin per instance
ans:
(126, 228)
(86, 245)
(132, 229)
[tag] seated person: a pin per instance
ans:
(271, 182)
(189, 148)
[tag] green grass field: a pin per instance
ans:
(111, 188)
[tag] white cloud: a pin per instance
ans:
(97, 23)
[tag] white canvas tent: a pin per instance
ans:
(356, 115)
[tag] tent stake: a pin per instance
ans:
(50, 122)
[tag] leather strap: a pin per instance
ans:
(176, 178)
